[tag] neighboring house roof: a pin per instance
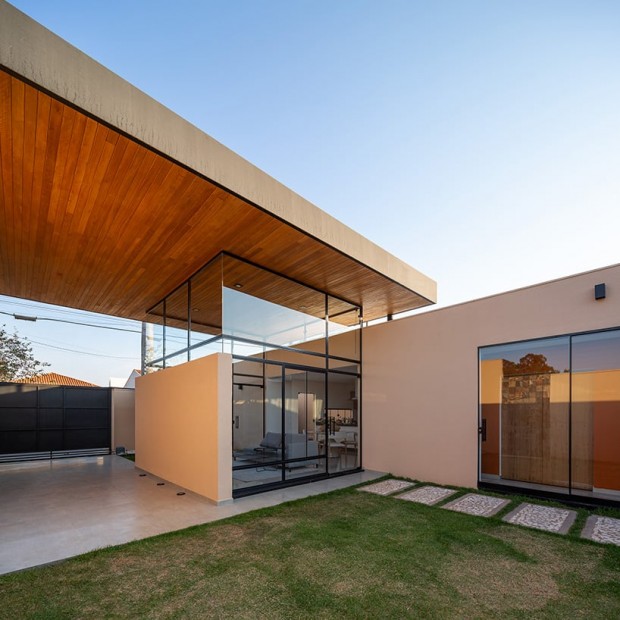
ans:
(131, 381)
(53, 378)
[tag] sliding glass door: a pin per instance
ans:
(550, 414)
(304, 408)
(595, 440)
(278, 417)
(256, 424)
(525, 412)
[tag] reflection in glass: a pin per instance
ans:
(177, 313)
(206, 305)
(264, 307)
(596, 413)
(524, 400)
(344, 329)
(533, 398)
(154, 341)
(257, 452)
(261, 321)
(304, 394)
(343, 421)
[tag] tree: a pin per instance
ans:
(16, 358)
(530, 364)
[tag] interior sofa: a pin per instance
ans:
(297, 446)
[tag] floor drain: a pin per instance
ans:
(160, 484)
(141, 475)
(181, 493)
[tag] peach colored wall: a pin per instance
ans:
(123, 418)
(420, 374)
(183, 425)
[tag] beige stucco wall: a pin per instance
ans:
(32, 51)
(420, 374)
(183, 425)
(123, 418)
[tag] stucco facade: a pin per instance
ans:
(183, 425)
(420, 379)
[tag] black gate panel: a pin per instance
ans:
(42, 421)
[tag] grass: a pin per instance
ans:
(345, 554)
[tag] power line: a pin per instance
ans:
(34, 319)
(51, 346)
(45, 318)
(92, 316)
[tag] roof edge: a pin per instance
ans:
(32, 51)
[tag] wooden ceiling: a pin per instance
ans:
(91, 219)
(235, 274)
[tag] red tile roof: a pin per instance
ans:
(53, 378)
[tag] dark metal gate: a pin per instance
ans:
(48, 421)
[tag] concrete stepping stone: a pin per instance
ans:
(479, 505)
(387, 487)
(602, 529)
(545, 518)
(426, 495)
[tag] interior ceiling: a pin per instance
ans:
(96, 221)
(206, 296)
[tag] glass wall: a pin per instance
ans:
(550, 414)
(296, 367)
(595, 440)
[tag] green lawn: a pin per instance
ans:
(342, 555)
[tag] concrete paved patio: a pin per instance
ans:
(53, 510)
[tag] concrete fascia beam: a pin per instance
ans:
(35, 53)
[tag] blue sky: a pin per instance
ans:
(477, 141)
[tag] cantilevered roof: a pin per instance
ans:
(109, 200)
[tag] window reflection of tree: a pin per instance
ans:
(530, 364)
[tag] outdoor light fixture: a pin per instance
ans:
(599, 291)
(238, 285)
(24, 317)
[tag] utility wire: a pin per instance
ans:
(51, 346)
(34, 319)
(76, 313)
(44, 318)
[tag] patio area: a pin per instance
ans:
(53, 510)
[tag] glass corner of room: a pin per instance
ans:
(344, 331)
(187, 323)
(296, 376)
(263, 310)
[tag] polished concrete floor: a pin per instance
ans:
(53, 510)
